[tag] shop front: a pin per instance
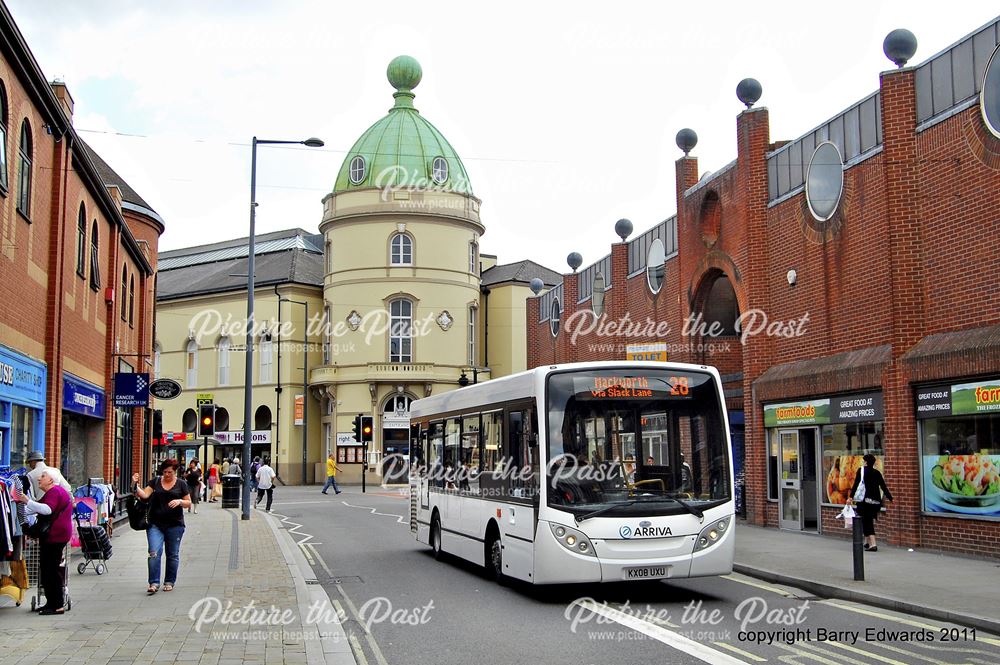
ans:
(959, 432)
(22, 407)
(82, 435)
(814, 449)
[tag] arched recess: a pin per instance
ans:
(710, 218)
(262, 418)
(717, 299)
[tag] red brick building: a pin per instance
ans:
(857, 262)
(77, 259)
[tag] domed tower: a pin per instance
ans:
(402, 284)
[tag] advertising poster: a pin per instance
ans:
(839, 470)
(962, 484)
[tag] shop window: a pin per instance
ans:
(81, 241)
(960, 460)
(772, 464)
(23, 430)
(844, 446)
(24, 171)
(472, 336)
(262, 418)
(3, 139)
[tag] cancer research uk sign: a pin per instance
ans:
(131, 389)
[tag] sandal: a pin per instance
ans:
(168, 587)
(152, 589)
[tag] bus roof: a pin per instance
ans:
(523, 386)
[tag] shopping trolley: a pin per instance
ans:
(32, 561)
(95, 546)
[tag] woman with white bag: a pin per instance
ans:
(866, 494)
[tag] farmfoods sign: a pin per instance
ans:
(843, 409)
(962, 399)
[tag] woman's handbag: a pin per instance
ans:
(138, 513)
(859, 495)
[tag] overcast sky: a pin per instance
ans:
(564, 115)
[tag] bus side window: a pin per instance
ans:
(491, 479)
(436, 451)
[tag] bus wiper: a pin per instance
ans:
(601, 511)
(697, 512)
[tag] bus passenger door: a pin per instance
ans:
(518, 521)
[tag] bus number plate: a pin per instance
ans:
(645, 572)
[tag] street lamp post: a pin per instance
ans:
(248, 383)
(305, 380)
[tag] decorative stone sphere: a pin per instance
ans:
(748, 91)
(899, 46)
(536, 285)
(686, 140)
(623, 228)
(404, 73)
(574, 260)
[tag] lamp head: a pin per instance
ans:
(313, 142)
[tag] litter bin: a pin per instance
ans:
(230, 491)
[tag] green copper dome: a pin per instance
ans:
(403, 149)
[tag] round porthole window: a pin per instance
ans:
(358, 170)
(554, 317)
(824, 181)
(989, 98)
(655, 265)
(597, 299)
(439, 170)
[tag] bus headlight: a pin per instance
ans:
(572, 539)
(711, 534)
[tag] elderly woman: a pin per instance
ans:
(168, 496)
(56, 505)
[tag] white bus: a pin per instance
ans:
(585, 472)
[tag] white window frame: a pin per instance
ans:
(473, 312)
(473, 256)
(265, 375)
(439, 170)
(191, 367)
(157, 350)
(401, 330)
(401, 250)
(224, 361)
(358, 169)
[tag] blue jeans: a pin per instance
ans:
(157, 538)
(331, 481)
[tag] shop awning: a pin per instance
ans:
(960, 353)
(842, 372)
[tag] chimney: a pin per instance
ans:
(65, 99)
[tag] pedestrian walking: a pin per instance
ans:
(56, 507)
(225, 466)
(235, 469)
(193, 479)
(331, 475)
(253, 473)
(168, 496)
(214, 473)
(867, 494)
(265, 484)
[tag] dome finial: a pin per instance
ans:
(404, 74)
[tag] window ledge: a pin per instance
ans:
(23, 216)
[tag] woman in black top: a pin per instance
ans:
(870, 506)
(193, 479)
(168, 496)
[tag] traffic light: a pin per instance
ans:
(367, 429)
(356, 426)
(206, 420)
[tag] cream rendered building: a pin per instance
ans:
(201, 341)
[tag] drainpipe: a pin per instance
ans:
(486, 327)
(277, 389)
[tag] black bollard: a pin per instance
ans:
(859, 550)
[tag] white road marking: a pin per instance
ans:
(743, 579)
(745, 654)
(668, 637)
(399, 518)
(802, 653)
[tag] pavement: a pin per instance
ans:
(921, 583)
(227, 565)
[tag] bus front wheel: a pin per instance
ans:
(436, 538)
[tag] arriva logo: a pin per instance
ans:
(644, 530)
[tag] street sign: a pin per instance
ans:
(131, 389)
(205, 398)
(165, 389)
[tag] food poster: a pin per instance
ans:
(839, 469)
(963, 484)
